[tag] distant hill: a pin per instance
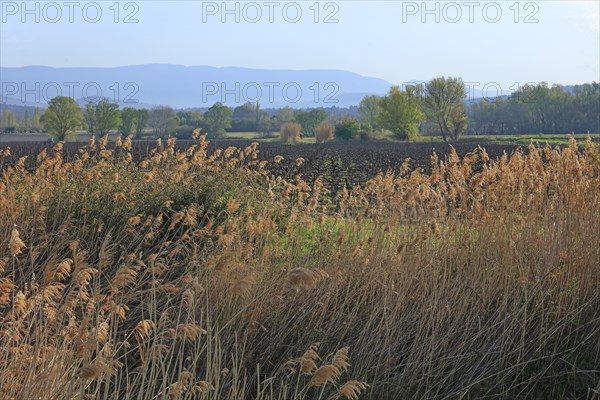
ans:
(182, 87)
(18, 109)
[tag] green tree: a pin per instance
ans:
(262, 120)
(141, 122)
(190, 118)
(346, 129)
(445, 104)
(368, 110)
(27, 119)
(540, 108)
(244, 117)
(400, 112)
(35, 122)
(89, 117)
(8, 119)
(264, 124)
(107, 116)
(102, 117)
(62, 117)
(587, 103)
(188, 122)
(217, 119)
(258, 114)
(128, 121)
(285, 115)
(310, 119)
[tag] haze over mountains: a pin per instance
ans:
(182, 87)
(144, 86)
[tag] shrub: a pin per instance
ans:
(290, 132)
(365, 127)
(324, 132)
(364, 135)
(346, 129)
(183, 132)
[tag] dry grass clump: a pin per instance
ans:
(324, 132)
(309, 377)
(290, 132)
(189, 274)
(305, 279)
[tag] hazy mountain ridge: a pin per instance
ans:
(181, 86)
(144, 86)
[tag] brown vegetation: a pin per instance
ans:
(190, 275)
(324, 132)
(290, 132)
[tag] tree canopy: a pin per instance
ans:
(538, 109)
(62, 117)
(102, 117)
(445, 104)
(217, 119)
(368, 110)
(310, 119)
(128, 121)
(400, 112)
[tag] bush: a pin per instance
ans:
(290, 132)
(183, 132)
(381, 134)
(324, 132)
(366, 127)
(346, 129)
(406, 132)
(364, 135)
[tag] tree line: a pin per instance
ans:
(27, 121)
(538, 109)
(64, 117)
(438, 107)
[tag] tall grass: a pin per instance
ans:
(290, 132)
(324, 132)
(190, 275)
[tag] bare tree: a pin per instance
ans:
(162, 119)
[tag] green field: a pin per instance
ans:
(523, 140)
(517, 140)
(243, 135)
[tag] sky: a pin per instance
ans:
(505, 42)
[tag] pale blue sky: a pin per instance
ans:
(385, 39)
